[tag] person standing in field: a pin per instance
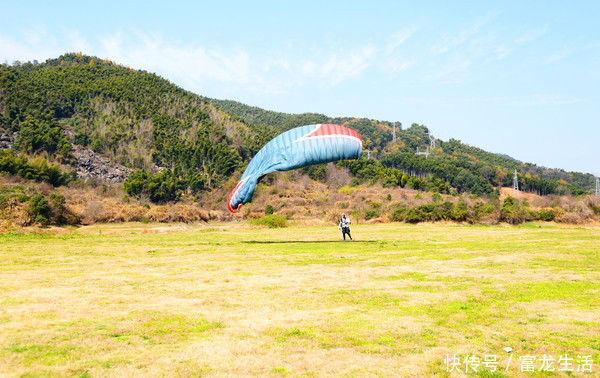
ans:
(345, 226)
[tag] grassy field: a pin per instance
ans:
(138, 299)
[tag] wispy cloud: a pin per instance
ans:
(395, 66)
(32, 45)
(531, 100)
(449, 41)
(502, 51)
(451, 72)
(339, 67)
(397, 39)
(110, 45)
(568, 51)
(529, 36)
(453, 55)
(543, 100)
(197, 66)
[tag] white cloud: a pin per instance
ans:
(542, 100)
(398, 38)
(529, 36)
(395, 67)
(352, 65)
(35, 36)
(451, 41)
(197, 67)
(531, 100)
(76, 40)
(453, 72)
(31, 46)
(309, 68)
(568, 51)
(110, 45)
(337, 68)
(502, 52)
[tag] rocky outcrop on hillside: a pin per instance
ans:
(7, 140)
(91, 165)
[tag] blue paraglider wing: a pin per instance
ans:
(296, 148)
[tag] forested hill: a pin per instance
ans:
(463, 166)
(178, 142)
(133, 117)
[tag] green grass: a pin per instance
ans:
(135, 300)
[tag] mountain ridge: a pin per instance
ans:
(585, 181)
(188, 143)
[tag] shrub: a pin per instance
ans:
(459, 211)
(513, 213)
(371, 213)
(316, 172)
(487, 209)
(414, 216)
(269, 210)
(443, 211)
(427, 210)
(36, 169)
(96, 145)
(58, 210)
(271, 221)
(390, 182)
(58, 200)
(81, 139)
(160, 188)
(398, 215)
(510, 201)
(41, 219)
(571, 218)
(39, 208)
(347, 190)
(546, 215)
(375, 205)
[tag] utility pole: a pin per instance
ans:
(394, 128)
(597, 188)
(368, 153)
(515, 185)
(426, 152)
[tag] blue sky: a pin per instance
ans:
(514, 77)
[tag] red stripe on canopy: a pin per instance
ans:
(332, 129)
(231, 195)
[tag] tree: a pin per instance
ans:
(96, 145)
(39, 209)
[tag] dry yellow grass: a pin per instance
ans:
(227, 299)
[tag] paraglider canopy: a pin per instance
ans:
(296, 148)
